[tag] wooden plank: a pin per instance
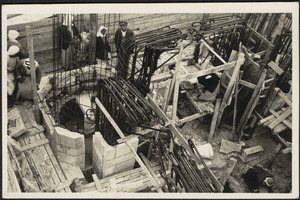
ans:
(275, 67)
(286, 122)
(148, 165)
(283, 116)
(161, 77)
(214, 121)
(192, 117)
(32, 71)
(266, 156)
(176, 89)
(129, 137)
(92, 38)
(55, 164)
(247, 84)
(35, 144)
(97, 182)
(207, 71)
(59, 187)
(284, 97)
(212, 50)
(229, 167)
(287, 150)
(251, 105)
(12, 177)
(230, 86)
(35, 165)
(259, 35)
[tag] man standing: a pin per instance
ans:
(121, 35)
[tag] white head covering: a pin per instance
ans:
(99, 34)
(13, 34)
(13, 50)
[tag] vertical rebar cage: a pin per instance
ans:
(75, 69)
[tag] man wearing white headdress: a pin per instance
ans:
(102, 45)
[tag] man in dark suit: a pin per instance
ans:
(121, 35)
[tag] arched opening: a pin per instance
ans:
(72, 117)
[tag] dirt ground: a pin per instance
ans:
(198, 130)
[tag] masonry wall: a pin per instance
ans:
(109, 160)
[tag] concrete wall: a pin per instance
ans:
(109, 160)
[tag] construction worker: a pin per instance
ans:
(257, 178)
(121, 35)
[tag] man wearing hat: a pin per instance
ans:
(258, 179)
(121, 35)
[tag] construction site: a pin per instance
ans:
(150, 103)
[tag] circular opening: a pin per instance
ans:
(72, 117)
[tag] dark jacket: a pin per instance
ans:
(255, 177)
(64, 36)
(101, 47)
(118, 37)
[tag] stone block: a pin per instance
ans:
(69, 150)
(107, 151)
(72, 171)
(97, 155)
(74, 160)
(69, 138)
(228, 147)
(109, 171)
(116, 161)
(127, 165)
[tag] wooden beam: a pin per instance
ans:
(97, 183)
(33, 73)
(259, 35)
(187, 77)
(230, 166)
(176, 89)
(230, 86)
(161, 77)
(121, 134)
(284, 97)
(148, 165)
(92, 38)
(251, 105)
(247, 84)
(35, 144)
(191, 117)
(214, 121)
(282, 117)
(286, 122)
(212, 50)
(275, 67)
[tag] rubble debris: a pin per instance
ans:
(206, 150)
(16, 126)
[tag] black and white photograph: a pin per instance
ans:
(148, 100)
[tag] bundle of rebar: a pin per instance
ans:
(126, 106)
(187, 175)
(152, 44)
(223, 33)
